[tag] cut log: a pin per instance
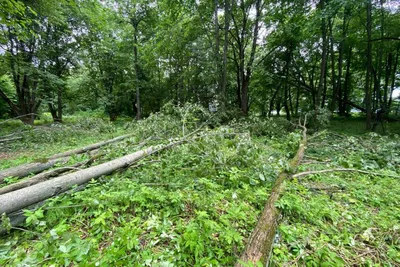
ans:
(18, 218)
(10, 139)
(259, 246)
(90, 147)
(36, 167)
(30, 168)
(27, 196)
(41, 177)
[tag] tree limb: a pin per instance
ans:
(259, 246)
(301, 174)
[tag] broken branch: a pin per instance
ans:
(301, 174)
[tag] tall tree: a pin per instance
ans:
(368, 94)
(245, 33)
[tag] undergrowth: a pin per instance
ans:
(343, 219)
(192, 205)
(197, 203)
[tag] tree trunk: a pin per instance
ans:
(323, 58)
(287, 95)
(135, 23)
(22, 198)
(53, 112)
(36, 167)
(271, 103)
(217, 45)
(297, 100)
(346, 87)
(25, 197)
(259, 246)
(30, 168)
(388, 70)
(335, 82)
(225, 55)
(41, 177)
(393, 77)
(368, 95)
(59, 105)
(245, 70)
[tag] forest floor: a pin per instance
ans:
(197, 203)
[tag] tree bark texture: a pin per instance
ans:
(30, 168)
(368, 93)
(324, 58)
(261, 241)
(36, 167)
(24, 197)
(41, 177)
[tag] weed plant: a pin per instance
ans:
(193, 205)
(343, 219)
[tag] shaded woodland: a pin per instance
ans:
(262, 57)
(199, 133)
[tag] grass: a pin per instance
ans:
(196, 205)
(356, 126)
(343, 219)
(46, 139)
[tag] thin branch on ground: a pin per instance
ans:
(301, 174)
(18, 117)
(10, 139)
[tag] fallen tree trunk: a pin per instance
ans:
(89, 147)
(18, 218)
(27, 196)
(30, 168)
(41, 177)
(37, 167)
(10, 139)
(259, 246)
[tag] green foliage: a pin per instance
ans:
(39, 142)
(334, 219)
(192, 205)
(319, 120)
(7, 87)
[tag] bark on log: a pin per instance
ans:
(10, 139)
(30, 168)
(24, 197)
(259, 246)
(41, 177)
(18, 218)
(36, 167)
(89, 147)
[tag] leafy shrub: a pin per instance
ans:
(318, 120)
(259, 126)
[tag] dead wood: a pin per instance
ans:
(47, 175)
(19, 199)
(260, 243)
(89, 147)
(18, 218)
(10, 139)
(37, 167)
(301, 174)
(30, 168)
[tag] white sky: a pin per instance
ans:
(396, 93)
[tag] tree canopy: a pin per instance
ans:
(130, 57)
